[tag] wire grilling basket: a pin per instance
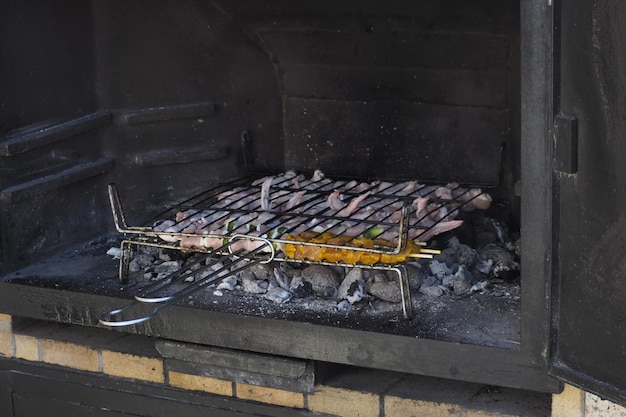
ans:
(292, 218)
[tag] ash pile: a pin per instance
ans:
(476, 258)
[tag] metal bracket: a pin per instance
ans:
(565, 144)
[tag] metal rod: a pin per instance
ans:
(245, 260)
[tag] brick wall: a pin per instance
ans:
(340, 393)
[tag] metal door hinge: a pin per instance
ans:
(565, 144)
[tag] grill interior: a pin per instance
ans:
(362, 91)
(402, 92)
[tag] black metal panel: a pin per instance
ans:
(424, 90)
(452, 360)
(590, 287)
(26, 390)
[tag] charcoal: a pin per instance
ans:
(485, 266)
(355, 293)
(167, 267)
(328, 292)
(430, 280)
(282, 279)
(447, 256)
(141, 261)
(506, 269)
(496, 253)
(300, 288)
(189, 277)
(203, 274)
(354, 276)
(481, 286)
(323, 279)
(344, 306)
(263, 271)
(151, 250)
(462, 281)
(466, 255)
(115, 252)
(228, 283)
(504, 264)
(278, 295)
(439, 269)
(288, 269)
(448, 281)
(416, 274)
(168, 255)
(252, 285)
(432, 291)
(385, 289)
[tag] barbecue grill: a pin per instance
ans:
(138, 109)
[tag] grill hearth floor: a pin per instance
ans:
(486, 319)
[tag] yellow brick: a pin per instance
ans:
(569, 403)
(597, 407)
(270, 395)
(126, 365)
(343, 402)
(5, 323)
(69, 355)
(475, 413)
(471, 413)
(6, 344)
(403, 407)
(26, 347)
(200, 383)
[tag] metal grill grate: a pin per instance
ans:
(289, 217)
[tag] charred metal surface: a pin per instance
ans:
(186, 155)
(566, 144)
(162, 114)
(240, 366)
(589, 319)
(26, 390)
(26, 139)
(54, 181)
(275, 336)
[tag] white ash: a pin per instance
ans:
(439, 269)
(251, 284)
(282, 280)
(278, 295)
(432, 291)
(344, 306)
(462, 281)
(115, 252)
(229, 283)
(352, 286)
